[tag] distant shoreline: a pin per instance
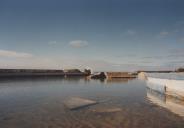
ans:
(65, 72)
(41, 72)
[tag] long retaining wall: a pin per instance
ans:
(170, 103)
(168, 86)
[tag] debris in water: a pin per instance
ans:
(100, 75)
(77, 103)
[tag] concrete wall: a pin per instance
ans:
(170, 87)
(172, 104)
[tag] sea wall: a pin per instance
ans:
(172, 104)
(170, 87)
(156, 84)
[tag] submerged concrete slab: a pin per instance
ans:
(107, 110)
(74, 103)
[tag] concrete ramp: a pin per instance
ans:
(172, 104)
(75, 103)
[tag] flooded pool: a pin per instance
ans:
(121, 103)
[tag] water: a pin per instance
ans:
(38, 103)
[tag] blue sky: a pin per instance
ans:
(100, 34)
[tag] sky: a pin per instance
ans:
(104, 35)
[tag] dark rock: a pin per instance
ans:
(101, 75)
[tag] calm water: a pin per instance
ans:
(38, 103)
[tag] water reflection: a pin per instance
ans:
(118, 80)
(41, 78)
(110, 81)
(172, 104)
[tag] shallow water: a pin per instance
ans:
(123, 103)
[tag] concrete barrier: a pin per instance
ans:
(172, 104)
(170, 87)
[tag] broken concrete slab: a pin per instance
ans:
(74, 103)
(107, 110)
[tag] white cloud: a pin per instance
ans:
(164, 33)
(176, 31)
(14, 54)
(131, 32)
(179, 23)
(52, 42)
(36, 62)
(78, 43)
(182, 39)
